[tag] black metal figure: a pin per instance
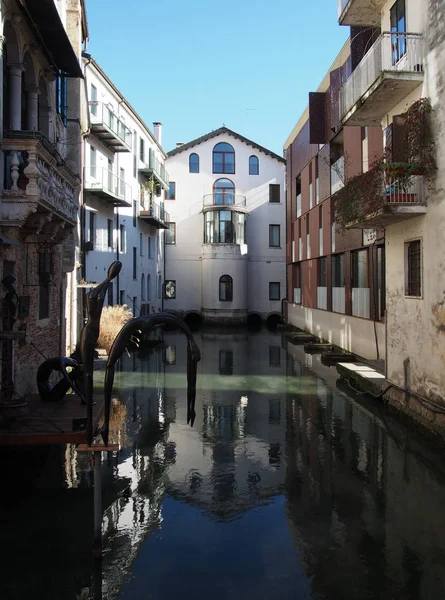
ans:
(72, 380)
(89, 336)
(128, 332)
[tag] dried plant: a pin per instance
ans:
(112, 320)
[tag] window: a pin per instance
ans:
(224, 192)
(413, 268)
(122, 297)
(225, 288)
(122, 239)
(148, 287)
(193, 163)
(149, 247)
(142, 287)
(254, 165)
(274, 236)
(338, 272)
(274, 290)
(226, 362)
(110, 234)
(91, 233)
(142, 149)
(135, 213)
(224, 227)
(322, 274)
(274, 357)
(93, 100)
(135, 271)
(62, 93)
(122, 183)
(170, 234)
(398, 29)
(223, 158)
(171, 191)
(274, 192)
(359, 269)
(92, 161)
(170, 289)
(141, 245)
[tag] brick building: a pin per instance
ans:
(336, 284)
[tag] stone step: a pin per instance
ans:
(317, 348)
(330, 359)
(301, 337)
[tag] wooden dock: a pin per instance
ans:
(48, 423)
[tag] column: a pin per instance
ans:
(32, 118)
(15, 97)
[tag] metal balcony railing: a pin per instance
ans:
(412, 192)
(392, 52)
(100, 179)
(224, 198)
(158, 169)
(152, 209)
(102, 115)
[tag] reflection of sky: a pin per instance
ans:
(210, 559)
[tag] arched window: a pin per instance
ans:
(194, 163)
(148, 287)
(223, 158)
(254, 165)
(223, 192)
(142, 287)
(225, 288)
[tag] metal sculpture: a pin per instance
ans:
(73, 380)
(131, 330)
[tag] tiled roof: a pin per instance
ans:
(226, 130)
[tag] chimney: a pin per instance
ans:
(179, 144)
(157, 132)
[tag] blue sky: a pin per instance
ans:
(198, 65)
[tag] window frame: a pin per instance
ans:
(227, 280)
(273, 188)
(62, 97)
(173, 243)
(170, 195)
(409, 257)
(271, 225)
(224, 154)
(193, 154)
(254, 167)
(274, 283)
(110, 234)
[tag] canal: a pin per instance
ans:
(287, 486)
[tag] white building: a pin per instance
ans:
(398, 69)
(225, 248)
(122, 214)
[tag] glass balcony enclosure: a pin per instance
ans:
(109, 127)
(224, 227)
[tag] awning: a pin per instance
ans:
(46, 19)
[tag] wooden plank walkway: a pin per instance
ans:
(50, 422)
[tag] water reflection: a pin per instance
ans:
(285, 487)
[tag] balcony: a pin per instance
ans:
(391, 69)
(39, 190)
(155, 169)
(337, 175)
(224, 199)
(153, 213)
(106, 185)
(109, 128)
(360, 12)
(376, 200)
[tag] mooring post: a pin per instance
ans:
(97, 543)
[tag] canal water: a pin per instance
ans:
(287, 486)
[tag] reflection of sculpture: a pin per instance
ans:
(89, 336)
(145, 324)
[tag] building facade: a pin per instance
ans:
(122, 215)
(335, 276)
(40, 181)
(225, 244)
(398, 85)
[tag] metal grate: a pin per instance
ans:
(414, 282)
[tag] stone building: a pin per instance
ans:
(39, 181)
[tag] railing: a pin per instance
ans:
(101, 179)
(101, 114)
(322, 297)
(361, 302)
(337, 175)
(401, 52)
(158, 168)
(155, 210)
(413, 191)
(297, 295)
(224, 198)
(338, 299)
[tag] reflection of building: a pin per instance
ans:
(40, 157)
(225, 244)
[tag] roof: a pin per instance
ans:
(227, 131)
(341, 58)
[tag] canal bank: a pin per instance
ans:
(286, 486)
